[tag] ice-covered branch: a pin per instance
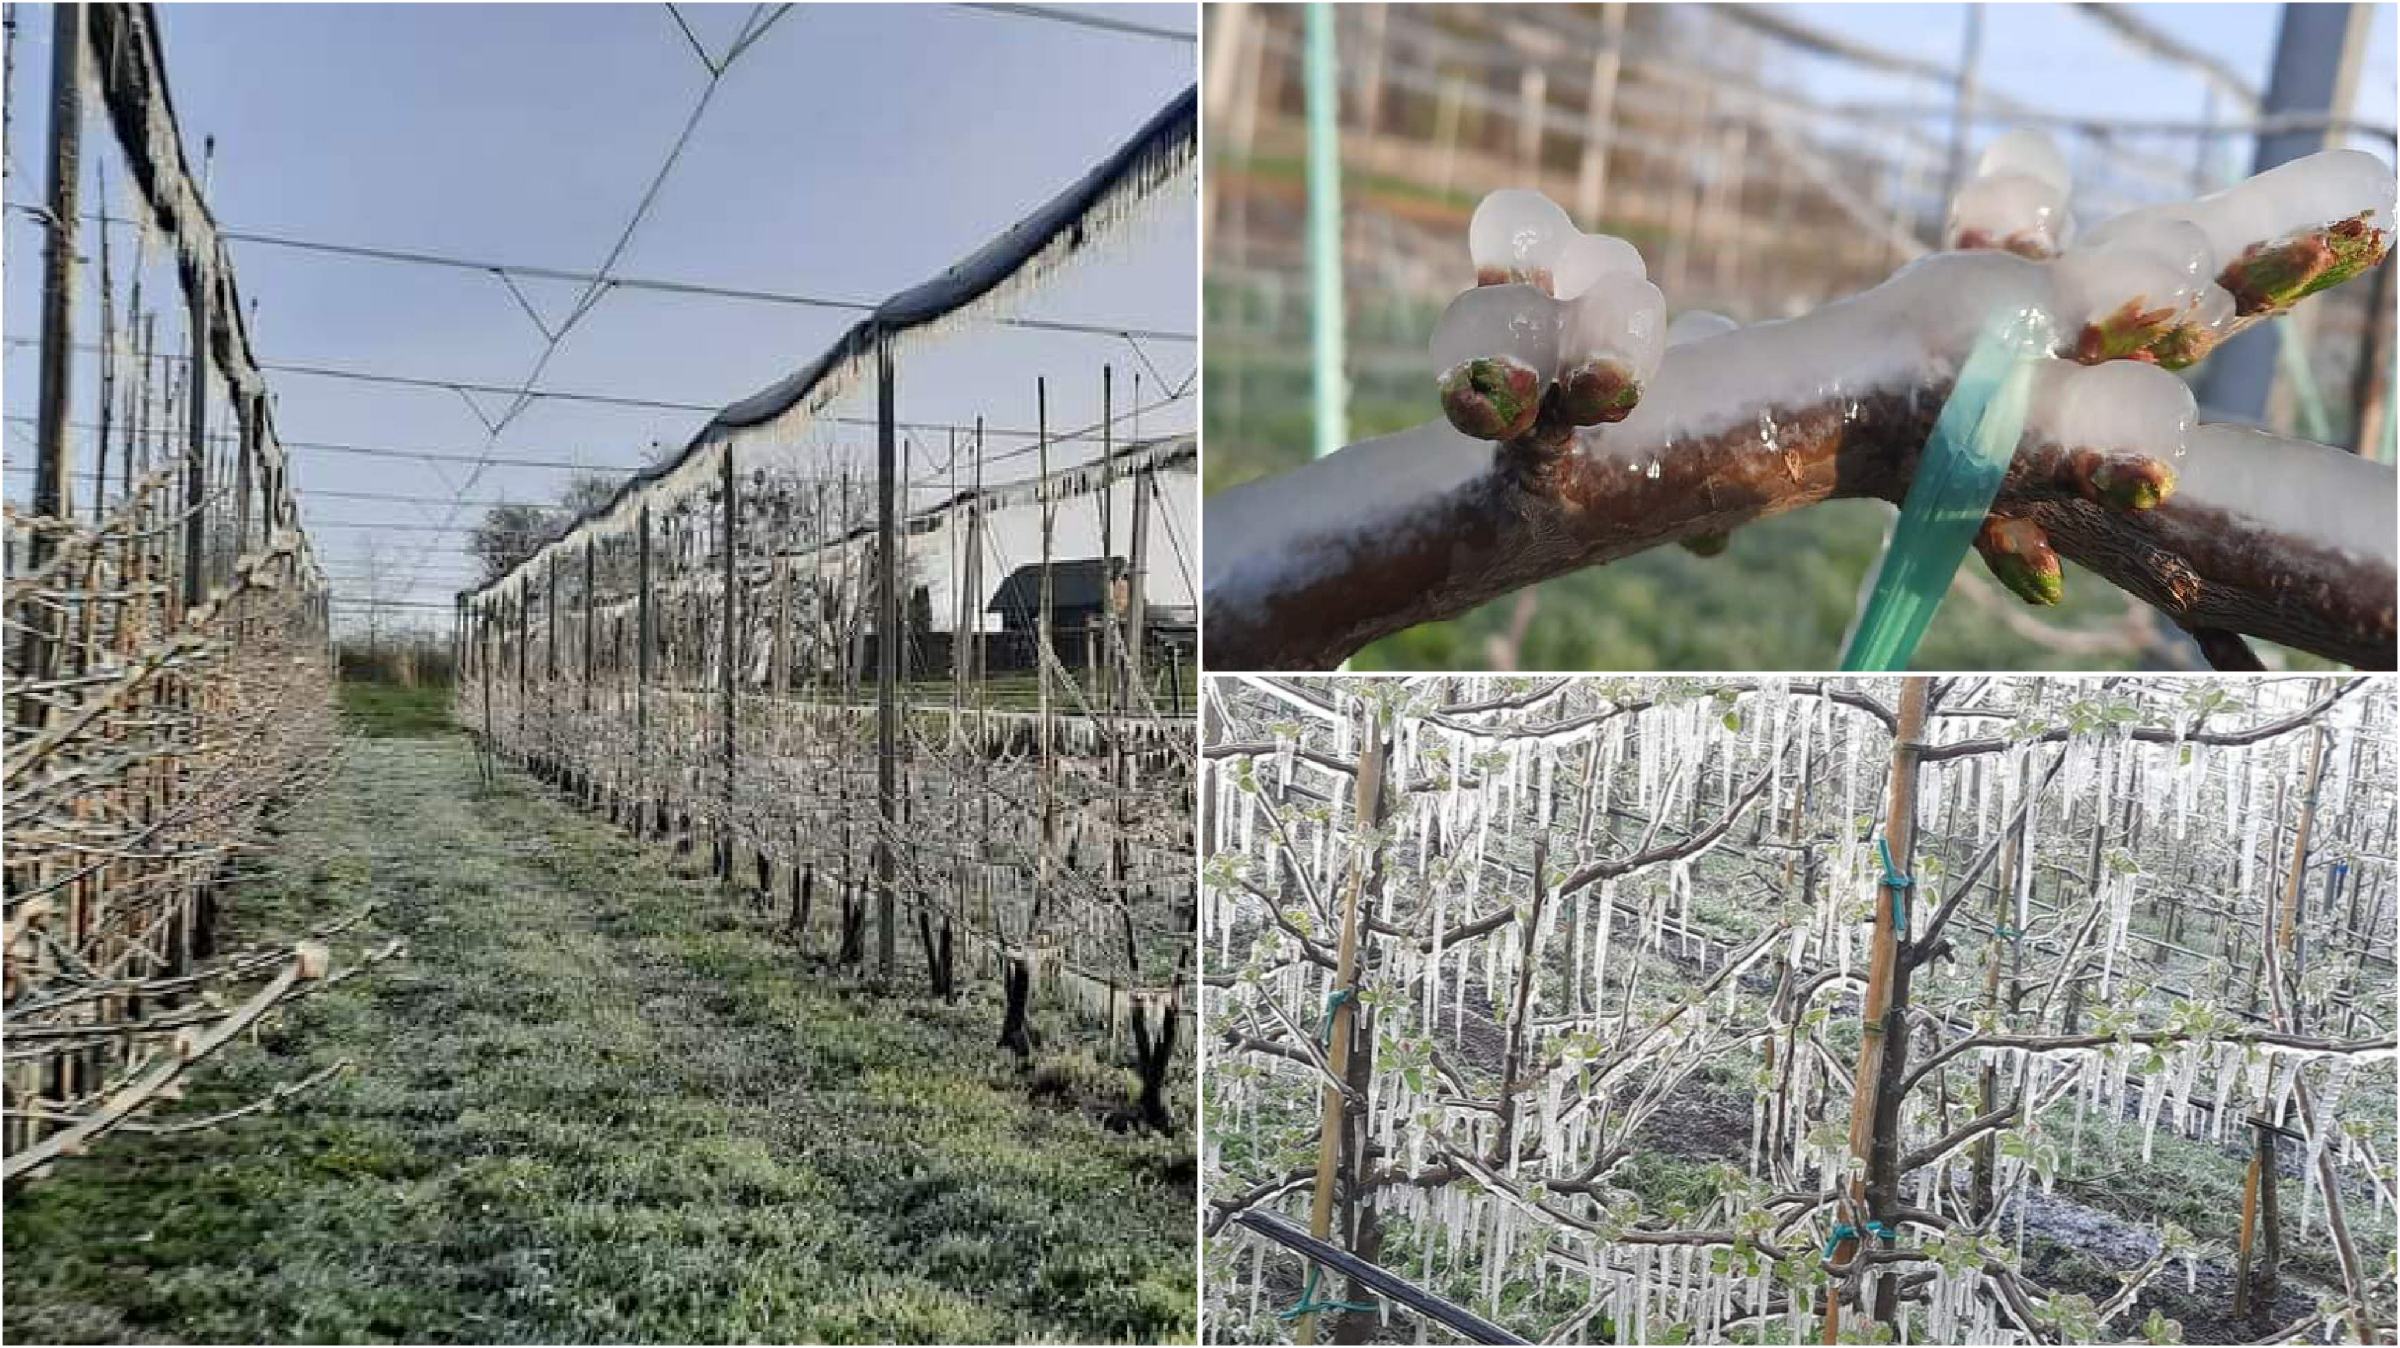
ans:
(2061, 1043)
(2223, 528)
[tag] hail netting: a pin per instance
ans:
(167, 679)
(706, 655)
(1610, 981)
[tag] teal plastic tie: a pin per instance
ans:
(1898, 884)
(1973, 440)
(1309, 1305)
(1841, 1231)
(1333, 1003)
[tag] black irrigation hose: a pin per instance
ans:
(1466, 1323)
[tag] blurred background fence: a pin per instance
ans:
(1765, 159)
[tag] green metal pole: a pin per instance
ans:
(1325, 233)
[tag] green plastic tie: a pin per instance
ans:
(1333, 1003)
(1960, 472)
(1309, 1305)
(1898, 884)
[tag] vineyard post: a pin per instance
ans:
(2288, 929)
(644, 638)
(195, 461)
(523, 652)
(1873, 1146)
(728, 527)
(483, 666)
(591, 562)
(53, 492)
(1367, 806)
(250, 419)
(1041, 648)
(1137, 605)
(887, 660)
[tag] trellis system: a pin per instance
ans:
(167, 675)
(743, 651)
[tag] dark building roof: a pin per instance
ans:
(1073, 585)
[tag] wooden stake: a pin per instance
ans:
(1876, 1020)
(1367, 807)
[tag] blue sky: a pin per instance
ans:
(853, 151)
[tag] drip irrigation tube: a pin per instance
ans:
(1474, 1328)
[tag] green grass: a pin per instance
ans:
(388, 710)
(597, 1100)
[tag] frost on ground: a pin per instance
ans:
(602, 1101)
(1614, 938)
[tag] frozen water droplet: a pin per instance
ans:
(1516, 235)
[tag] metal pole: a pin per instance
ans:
(887, 658)
(2317, 53)
(1962, 102)
(1325, 233)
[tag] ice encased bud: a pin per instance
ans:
(1697, 325)
(2030, 153)
(1610, 345)
(2303, 194)
(1586, 258)
(2118, 298)
(1516, 236)
(2015, 211)
(1494, 352)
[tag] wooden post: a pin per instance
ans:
(887, 659)
(1876, 1020)
(195, 461)
(1137, 580)
(53, 492)
(975, 660)
(1333, 1109)
(591, 546)
(1041, 650)
(645, 641)
(729, 575)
